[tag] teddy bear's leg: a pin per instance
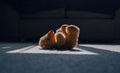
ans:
(72, 36)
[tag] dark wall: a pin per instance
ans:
(27, 6)
(8, 22)
(13, 28)
(117, 24)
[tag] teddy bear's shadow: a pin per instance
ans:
(72, 50)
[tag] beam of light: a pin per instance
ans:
(113, 48)
(39, 50)
(20, 50)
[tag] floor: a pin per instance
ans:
(86, 58)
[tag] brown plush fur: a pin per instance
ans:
(66, 37)
(48, 41)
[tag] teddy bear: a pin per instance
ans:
(65, 38)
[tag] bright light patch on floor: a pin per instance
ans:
(114, 48)
(38, 50)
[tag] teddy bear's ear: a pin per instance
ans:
(51, 33)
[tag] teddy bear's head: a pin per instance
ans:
(48, 40)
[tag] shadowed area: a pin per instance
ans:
(107, 61)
